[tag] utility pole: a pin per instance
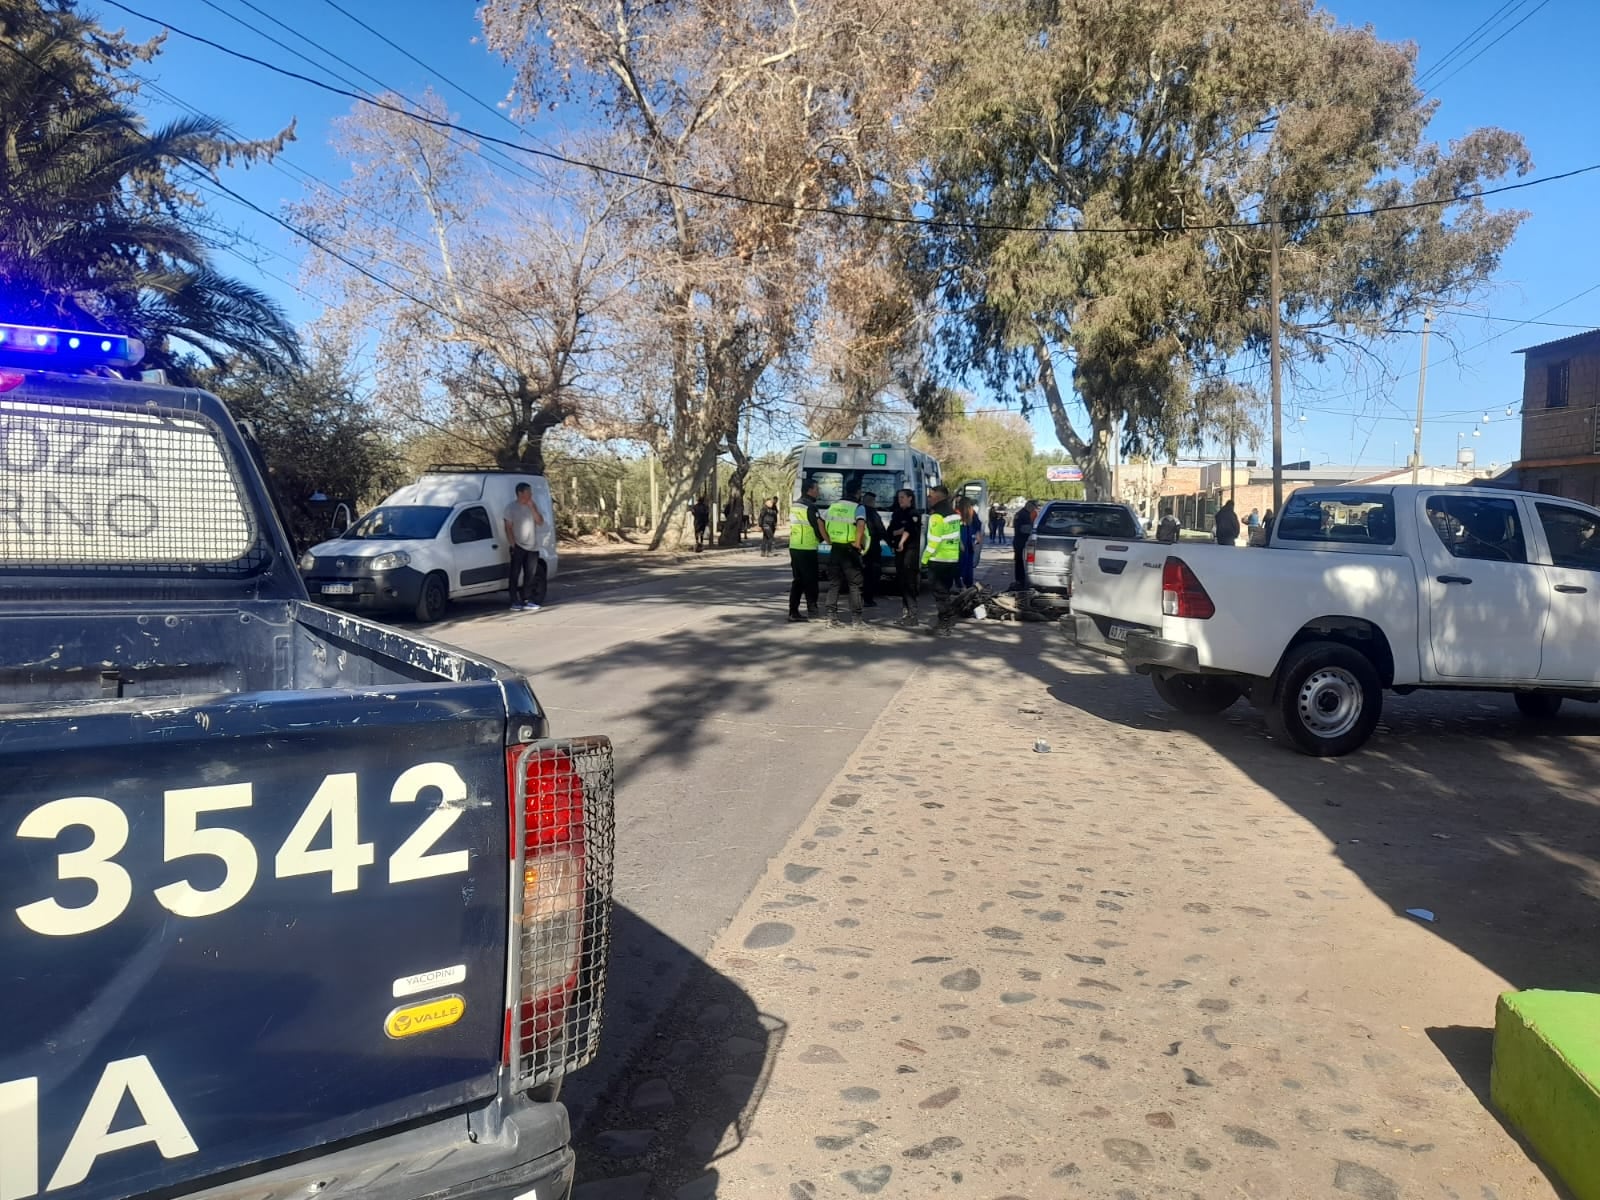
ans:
(655, 494)
(1422, 390)
(1277, 372)
(1233, 465)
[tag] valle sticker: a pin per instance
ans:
(413, 1019)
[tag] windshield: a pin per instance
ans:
(1088, 520)
(832, 481)
(418, 523)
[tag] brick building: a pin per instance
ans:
(1560, 433)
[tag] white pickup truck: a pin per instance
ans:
(1358, 590)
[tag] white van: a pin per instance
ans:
(433, 541)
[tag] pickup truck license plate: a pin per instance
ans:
(349, 589)
(1118, 633)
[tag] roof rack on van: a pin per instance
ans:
(479, 469)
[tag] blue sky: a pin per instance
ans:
(1535, 80)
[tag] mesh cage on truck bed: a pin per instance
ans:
(126, 489)
(563, 795)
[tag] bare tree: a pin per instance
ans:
(494, 314)
(780, 105)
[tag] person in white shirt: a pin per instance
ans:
(523, 518)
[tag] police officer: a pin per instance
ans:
(846, 524)
(942, 557)
(805, 524)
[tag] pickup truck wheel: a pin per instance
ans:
(1329, 699)
(435, 596)
(1538, 706)
(1197, 695)
(541, 583)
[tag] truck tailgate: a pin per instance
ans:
(232, 930)
(1117, 584)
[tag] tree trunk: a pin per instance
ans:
(1094, 455)
(733, 529)
(685, 468)
(526, 449)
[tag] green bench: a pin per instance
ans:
(1546, 1080)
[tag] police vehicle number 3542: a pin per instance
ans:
(324, 840)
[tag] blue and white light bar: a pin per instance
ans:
(45, 347)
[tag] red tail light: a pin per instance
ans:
(1030, 555)
(1182, 594)
(549, 793)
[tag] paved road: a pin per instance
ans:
(728, 722)
(1169, 958)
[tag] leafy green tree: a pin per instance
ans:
(96, 225)
(1157, 133)
(318, 433)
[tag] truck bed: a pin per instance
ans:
(1118, 586)
(293, 814)
(189, 652)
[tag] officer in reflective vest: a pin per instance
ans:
(846, 524)
(942, 557)
(805, 535)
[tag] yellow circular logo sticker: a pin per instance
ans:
(413, 1019)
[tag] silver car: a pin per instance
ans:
(1056, 532)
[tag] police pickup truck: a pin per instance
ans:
(291, 904)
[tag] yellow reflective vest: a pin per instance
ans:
(841, 522)
(802, 535)
(944, 538)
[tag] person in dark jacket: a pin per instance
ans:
(769, 524)
(905, 539)
(701, 511)
(873, 563)
(1021, 531)
(1227, 525)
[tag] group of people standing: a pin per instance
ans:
(855, 534)
(1226, 526)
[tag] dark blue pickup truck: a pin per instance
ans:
(291, 904)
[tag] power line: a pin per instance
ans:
(393, 45)
(305, 235)
(1468, 41)
(1438, 83)
(291, 170)
(1464, 312)
(1455, 356)
(515, 168)
(826, 209)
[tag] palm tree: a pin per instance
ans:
(95, 226)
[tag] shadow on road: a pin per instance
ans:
(744, 653)
(658, 1111)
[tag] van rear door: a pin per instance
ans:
(977, 490)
